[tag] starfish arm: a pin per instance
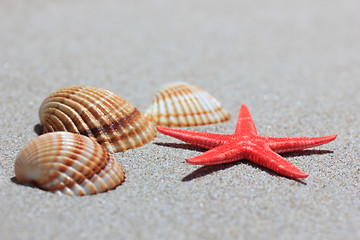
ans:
(264, 156)
(199, 139)
(288, 144)
(245, 124)
(221, 154)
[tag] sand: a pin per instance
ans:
(295, 64)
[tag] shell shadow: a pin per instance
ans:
(14, 180)
(38, 129)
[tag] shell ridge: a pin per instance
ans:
(207, 111)
(71, 145)
(99, 114)
(127, 124)
(218, 111)
(182, 104)
(147, 131)
(61, 111)
(68, 163)
(65, 184)
(103, 106)
(91, 118)
(107, 176)
(181, 114)
(132, 133)
(196, 100)
(87, 167)
(162, 106)
(114, 169)
(188, 99)
(56, 119)
(82, 116)
(54, 185)
(171, 111)
(141, 127)
(118, 120)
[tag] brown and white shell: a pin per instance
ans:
(68, 163)
(99, 114)
(180, 104)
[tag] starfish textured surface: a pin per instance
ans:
(245, 143)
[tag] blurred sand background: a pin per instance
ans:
(295, 64)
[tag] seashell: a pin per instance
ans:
(180, 104)
(99, 114)
(68, 163)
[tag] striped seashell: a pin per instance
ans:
(99, 114)
(68, 163)
(180, 104)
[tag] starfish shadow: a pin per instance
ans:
(205, 170)
(271, 172)
(182, 146)
(305, 152)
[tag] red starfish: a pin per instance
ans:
(246, 144)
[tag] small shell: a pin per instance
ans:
(181, 104)
(99, 114)
(68, 163)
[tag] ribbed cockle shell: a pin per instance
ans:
(68, 163)
(180, 104)
(99, 114)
